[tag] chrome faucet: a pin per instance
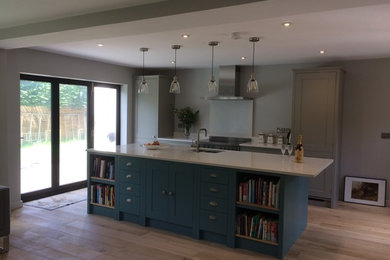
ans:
(197, 140)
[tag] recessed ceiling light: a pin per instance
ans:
(287, 24)
(243, 58)
(100, 44)
(322, 52)
(185, 36)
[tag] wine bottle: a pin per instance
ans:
(299, 150)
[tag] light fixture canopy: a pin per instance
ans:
(253, 86)
(143, 88)
(287, 24)
(175, 85)
(213, 87)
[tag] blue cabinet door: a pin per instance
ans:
(157, 188)
(181, 184)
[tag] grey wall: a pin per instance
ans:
(366, 114)
(36, 62)
(366, 109)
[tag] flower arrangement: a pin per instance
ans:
(187, 117)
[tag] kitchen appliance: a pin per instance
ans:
(224, 143)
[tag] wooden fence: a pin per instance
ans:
(35, 124)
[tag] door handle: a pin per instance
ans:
(129, 164)
(213, 175)
(128, 176)
(129, 188)
(129, 200)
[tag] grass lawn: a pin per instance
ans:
(36, 164)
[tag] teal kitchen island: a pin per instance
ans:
(247, 200)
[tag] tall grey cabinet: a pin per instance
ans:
(153, 111)
(317, 97)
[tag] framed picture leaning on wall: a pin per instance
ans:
(365, 191)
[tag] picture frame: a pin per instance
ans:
(365, 190)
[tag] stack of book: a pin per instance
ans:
(103, 195)
(257, 226)
(103, 168)
(260, 191)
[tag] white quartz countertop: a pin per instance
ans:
(231, 159)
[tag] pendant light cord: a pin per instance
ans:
(212, 62)
(143, 65)
(253, 59)
(175, 61)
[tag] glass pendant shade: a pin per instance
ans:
(252, 84)
(213, 87)
(175, 86)
(143, 88)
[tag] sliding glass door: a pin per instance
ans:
(73, 133)
(36, 143)
(58, 118)
(106, 116)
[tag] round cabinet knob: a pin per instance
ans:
(170, 193)
(164, 192)
(129, 188)
(129, 164)
(129, 200)
(128, 176)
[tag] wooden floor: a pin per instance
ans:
(349, 232)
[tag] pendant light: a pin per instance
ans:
(252, 86)
(175, 86)
(213, 87)
(143, 88)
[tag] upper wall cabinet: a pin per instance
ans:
(317, 97)
(154, 111)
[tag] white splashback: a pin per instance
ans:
(231, 118)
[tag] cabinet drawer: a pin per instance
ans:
(129, 204)
(213, 190)
(129, 189)
(129, 177)
(214, 222)
(214, 176)
(213, 204)
(129, 163)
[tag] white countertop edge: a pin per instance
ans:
(150, 155)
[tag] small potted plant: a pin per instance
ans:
(187, 117)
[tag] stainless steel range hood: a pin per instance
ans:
(229, 84)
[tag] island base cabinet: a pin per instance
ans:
(170, 193)
(204, 202)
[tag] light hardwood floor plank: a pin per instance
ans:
(350, 232)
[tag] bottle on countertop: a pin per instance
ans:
(299, 150)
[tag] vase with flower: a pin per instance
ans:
(187, 117)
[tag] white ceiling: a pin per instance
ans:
(346, 29)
